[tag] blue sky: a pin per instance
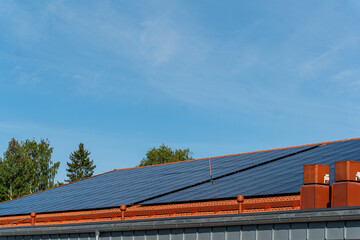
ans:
(219, 77)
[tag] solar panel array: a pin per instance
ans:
(278, 177)
(261, 173)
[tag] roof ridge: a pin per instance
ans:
(238, 154)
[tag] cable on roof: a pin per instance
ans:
(211, 178)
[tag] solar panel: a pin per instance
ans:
(282, 176)
(130, 186)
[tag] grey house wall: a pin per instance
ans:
(326, 224)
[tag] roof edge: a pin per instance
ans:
(238, 154)
(296, 216)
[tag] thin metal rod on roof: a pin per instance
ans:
(211, 179)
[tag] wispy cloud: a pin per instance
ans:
(99, 43)
(19, 127)
(328, 56)
(25, 76)
(345, 74)
(347, 82)
(158, 42)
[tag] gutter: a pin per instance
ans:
(298, 216)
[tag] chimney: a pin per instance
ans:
(316, 190)
(346, 189)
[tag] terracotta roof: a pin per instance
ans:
(221, 207)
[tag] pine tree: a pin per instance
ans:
(80, 165)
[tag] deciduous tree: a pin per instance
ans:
(43, 170)
(164, 154)
(14, 172)
(26, 168)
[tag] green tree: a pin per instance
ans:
(42, 169)
(26, 168)
(80, 165)
(164, 154)
(13, 172)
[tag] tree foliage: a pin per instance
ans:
(13, 172)
(26, 168)
(164, 154)
(43, 170)
(80, 165)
